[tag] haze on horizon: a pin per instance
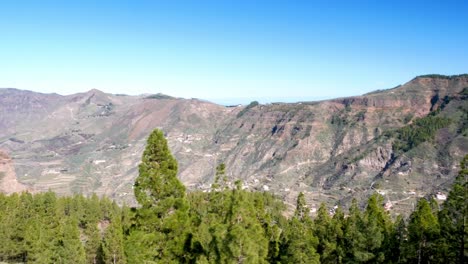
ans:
(229, 51)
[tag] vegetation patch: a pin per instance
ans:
(408, 118)
(247, 108)
(464, 91)
(307, 131)
(440, 76)
(382, 90)
(422, 129)
(159, 96)
(361, 115)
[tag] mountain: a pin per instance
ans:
(404, 142)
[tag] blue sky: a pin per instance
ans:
(218, 50)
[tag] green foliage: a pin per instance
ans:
(338, 120)
(453, 217)
(247, 108)
(440, 76)
(382, 90)
(70, 248)
(422, 129)
(112, 243)
(378, 227)
(159, 96)
(355, 237)
(397, 238)
(245, 240)
(157, 184)
(326, 234)
(299, 245)
(361, 115)
(43, 228)
(164, 208)
(464, 91)
(235, 226)
(299, 241)
(220, 178)
(408, 118)
(302, 211)
(423, 231)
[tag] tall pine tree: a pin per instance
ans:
(423, 231)
(453, 219)
(300, 243)
(163, 216)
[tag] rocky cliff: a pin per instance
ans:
(404, 142)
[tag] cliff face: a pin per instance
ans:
(338, 149)
(331, 150)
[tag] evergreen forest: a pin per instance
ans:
(225, 225)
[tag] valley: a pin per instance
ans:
(332, 150)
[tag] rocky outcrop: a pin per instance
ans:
(377, 159)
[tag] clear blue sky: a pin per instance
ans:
(229, 49)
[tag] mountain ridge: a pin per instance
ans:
(331, 149)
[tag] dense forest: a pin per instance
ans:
(225, 225)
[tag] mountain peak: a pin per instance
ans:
(95, 91)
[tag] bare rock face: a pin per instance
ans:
(377, 159)
(331, 150)
(8, 182)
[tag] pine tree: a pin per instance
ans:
(302, 210)
(12, 227)
(396, 241)
(93, 247)
(220, 178)
(269, 214)
(327, 237)
(338, 225)
(164, 208)
(69, 248)
(377, 229)
(157, 180)
(300, 244)
(92, 215)
(453, 219)
(245, 240)
(355, 238)
(43, 230)
(139, 246)
(423, 231)
(112, 245)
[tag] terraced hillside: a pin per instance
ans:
(404, 142)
